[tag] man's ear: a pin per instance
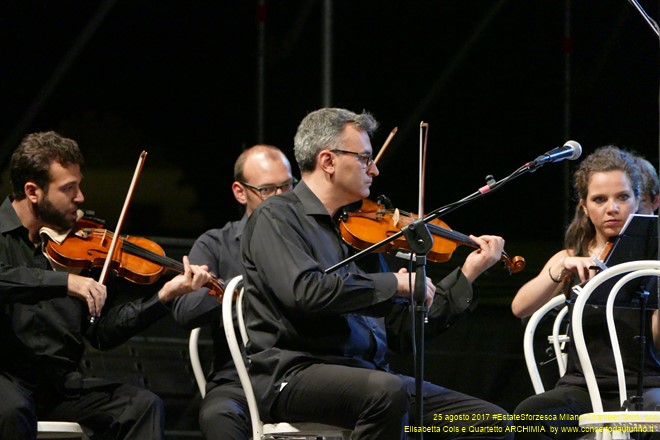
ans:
(32, 191)
(326, 161)
(239, 193)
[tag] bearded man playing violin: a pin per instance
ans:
(260, 172)
(44, 313)
(319, 341)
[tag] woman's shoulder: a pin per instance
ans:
(563, 253)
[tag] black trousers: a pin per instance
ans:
(223, 413)
(110, 410)
(563, 402)
(380, 405)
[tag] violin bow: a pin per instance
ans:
(120, 221)
(423, 138)
(385, 145)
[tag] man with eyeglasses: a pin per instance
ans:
(259, 173)
(324, 357)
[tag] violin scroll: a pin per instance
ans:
(515, 264)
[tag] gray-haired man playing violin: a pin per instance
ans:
(44, 315)
(318, 341)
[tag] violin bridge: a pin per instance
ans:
(82, 233)
(396, 217)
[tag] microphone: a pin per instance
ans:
(571, 150)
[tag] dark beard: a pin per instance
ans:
(47, 213)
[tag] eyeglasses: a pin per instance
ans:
(268, 190)
(365, 159)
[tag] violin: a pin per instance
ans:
(374, 221)
(137, 259)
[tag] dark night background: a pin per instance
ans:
(498, 82)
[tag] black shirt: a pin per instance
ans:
(42, 327)
(298, 315)
(220, 250)
(599, 347)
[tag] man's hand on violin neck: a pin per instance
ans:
(489, 252)
(88, 290)
(405, 285)
(193, 278)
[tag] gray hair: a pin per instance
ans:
(650, 181)
(322, 129)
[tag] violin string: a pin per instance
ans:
(146, 254)
(446, 233)
(457, 236)
(463, 239)
(153, 257)
(128, 245)
(162, 260)
(452, 235)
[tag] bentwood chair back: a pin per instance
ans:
(557, 340)
(198, 370)
(612, 423)
(259, 429)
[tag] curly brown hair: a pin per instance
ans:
(581, 231)
(31, 160)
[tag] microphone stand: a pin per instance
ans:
(639, 399)
(420, 242)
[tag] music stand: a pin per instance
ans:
(638, 240)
